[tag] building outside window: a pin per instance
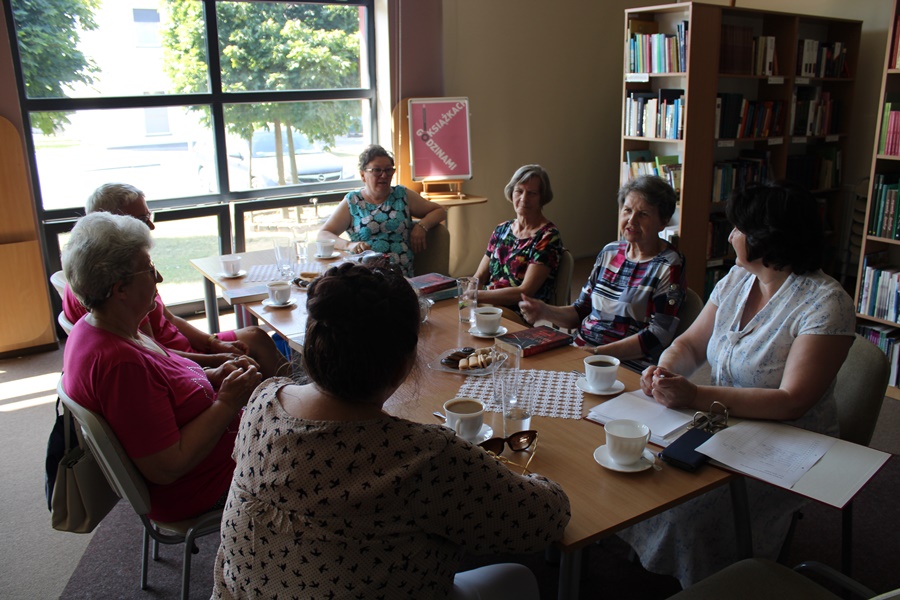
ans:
(195, 102)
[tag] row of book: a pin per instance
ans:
(822, 59)
(717, 245)
(642, 162)
(742, 53)
(751, 167)
(821, 168)
(814, 112)
(713, 276)
(655, 114)
(879, 296)
(738, 117)
(894, 58)
(884, 216)
(649, 51)
(885, 337)
(889, 141)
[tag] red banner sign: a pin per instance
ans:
(439, 139)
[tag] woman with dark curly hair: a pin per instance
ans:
(333, 494)
(775, 331)
(379, 216)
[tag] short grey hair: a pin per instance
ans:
(113, 197)
(371, 153)
(103, 250)
(525, 173)
(655, 191)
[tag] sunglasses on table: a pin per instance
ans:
(517, 442)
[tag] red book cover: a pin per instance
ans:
(535, 339)
(431, 282)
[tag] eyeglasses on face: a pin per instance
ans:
(153, 270)
(146, 219)
(379, 172)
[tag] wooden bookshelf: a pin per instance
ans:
(724, 57)
(876, 293)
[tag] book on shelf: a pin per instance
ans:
(431, 282)
(534, 340)
(736, 50)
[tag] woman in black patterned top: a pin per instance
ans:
(334, 498)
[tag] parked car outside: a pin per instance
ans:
(256, 166)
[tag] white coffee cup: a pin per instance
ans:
(626, 440)
(487, 319)
(600, 371)
(465, 416)
(324, 248)
(279, 292)
(231, 264)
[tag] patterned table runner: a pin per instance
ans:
(557, 394)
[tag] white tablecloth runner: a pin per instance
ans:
(556, 394)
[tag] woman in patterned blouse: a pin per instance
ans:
(379, 216)
(522, 255)
(629, 306)
(334, 498)
(775, 331)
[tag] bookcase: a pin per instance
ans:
(877, 280)
(754, 95)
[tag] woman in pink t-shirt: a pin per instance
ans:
(176, 420)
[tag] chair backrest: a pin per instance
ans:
(690, 309)
(58, 280)
(562, 293)
(120, 472)
(859, 390)
(65, 323)
(436, 256)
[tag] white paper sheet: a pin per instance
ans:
(665, 423)
(773, 452)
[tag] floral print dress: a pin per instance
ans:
(385, 227)
(510, 256)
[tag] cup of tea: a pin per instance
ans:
(487, 319)
(231, 264)
(279, 292)
(600, 371)
(626, 440)
(324, 248)
(465, 416)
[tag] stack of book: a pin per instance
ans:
(889, 142)
(886, 338)
(736, 50)
(434, 286)
(822, 59)
(814, 112)
(652, 52)
(655, 114)
(884, 218)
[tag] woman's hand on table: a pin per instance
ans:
(358, 247)
(668, 388)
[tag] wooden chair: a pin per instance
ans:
(562, 293)
(129, 484)
(690, 310)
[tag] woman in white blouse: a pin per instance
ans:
(775, 331)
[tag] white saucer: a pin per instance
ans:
(603, 459)
(475, 333)
(582, 385)
(483, 435)
(240, 273)
(334, 254)
(271, 304)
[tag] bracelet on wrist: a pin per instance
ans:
(209, 342)
(419, 223)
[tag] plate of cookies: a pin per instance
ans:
(469, 361)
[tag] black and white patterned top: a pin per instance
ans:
(372, 509)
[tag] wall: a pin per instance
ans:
(544, 83)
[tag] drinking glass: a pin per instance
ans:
(467, 295)
(284, 256)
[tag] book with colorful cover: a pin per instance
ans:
(534, 340)
(431, 282)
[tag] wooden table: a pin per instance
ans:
(603, 502)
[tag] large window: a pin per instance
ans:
(194, 100)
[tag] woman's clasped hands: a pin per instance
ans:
(668, 388)
(235, 380)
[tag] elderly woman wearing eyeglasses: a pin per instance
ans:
(324, 472)
(379, 216)
(175, 420)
